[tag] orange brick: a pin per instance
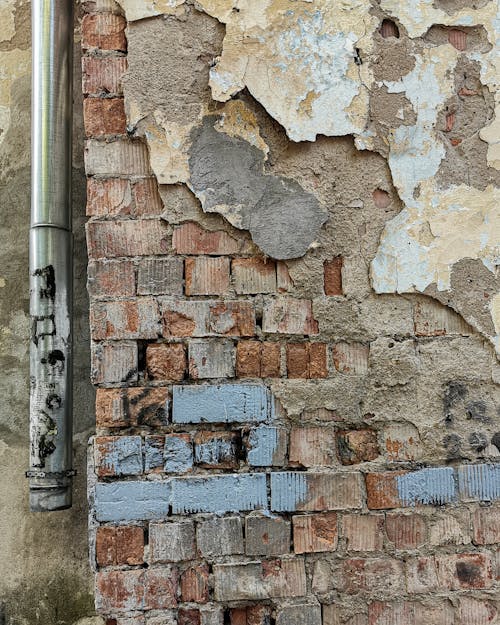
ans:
(190, 238)
(111, 278)
(125, 407)
(103, 75)
(333, 276)
(312, 446)
(255, 359)
(104, 31)
(108, 197)
(306, 360)
(382, 490)
(160, 588)
(207, 276)
(363, 532)
(194, 584)
(166, 361)
(253, 275)
(119, 545)
(355, 446)
(315, 532)
(104, 116)
(147, 199)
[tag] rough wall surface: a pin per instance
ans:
(293, 240)
(44, 575)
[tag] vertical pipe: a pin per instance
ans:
(50, 473)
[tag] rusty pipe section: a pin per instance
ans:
(51, 257)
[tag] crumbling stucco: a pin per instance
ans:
(329, 69)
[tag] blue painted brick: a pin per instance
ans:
(434, 486)
(288, 491)
(178, 453)
(219, 493)
(132, 501)
(153, 452)
(118, 455)
(266, 446)
(222, 403)
(479, 482)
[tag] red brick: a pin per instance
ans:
(422, 575)
(114, 362)
(194, 584)
(388, 28)
(207, 276)
(108, 198)
(407, 613)
(363, 532)
(160, 588)
(284, 282)
(104, 117)
(382, 491)
(111, 278)
(147, 199)
(486, 526)
(127, 238)
(232, 319)
(125, 407)
(119, 591)
(119, 545)
(465, 571)
(166, 361)
(190, 238)
(188, 616)
(253, 275)
(306, 360)
(405, 531)
(351, 357)
(287, 315)
(315, 532)
(312, 446)
(333, 276)
(376, 575)
(255, 359)
(104, 31)
(103, 75)
(258, 615)
(355, 446)
(132, 319)
(238, 616)
(458, 39)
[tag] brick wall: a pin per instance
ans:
(263, 457)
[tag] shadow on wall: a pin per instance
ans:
(44, 573)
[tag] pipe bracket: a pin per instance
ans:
(51, 474)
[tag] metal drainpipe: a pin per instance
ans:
(51, 257)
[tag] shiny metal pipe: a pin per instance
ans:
(50, 473)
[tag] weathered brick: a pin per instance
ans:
(434, 319)
(103, 75)
(260, 580)
(315, 491)
(450, 527)
(119, 545)
(253, 275)
(160, 276)
(104, 117)
(118, 455)
(131, 501)
(486, 526)
(188, 616)
(194, 584)
(401, 442)
(108, 198)
(217, 450)
(124, 407)
(376, 575)
(351, 357)
(479, 482)
(133, 319)
(119, 591)
(110, 239)
(267, 446)
(408, 613)
(333, 276)
(160, 588)
(286, 315)
(207, 318)
(266, 536)
(476, 612)
(306, 360)
(153, 453)
(222, 403)
(458, 39)
(207, 276)
(355, 446)
(300, 614)
(211, 615)
(178, 453)
(166, 361)
(211, 359)
(147, 200)
(191, 238)
(121, 157)
(252, 615)
(422, 575)
(114, 362)
(111, 279)
(284, 282)
(171, 542)
(315, 532)
(256, 359)
(449, 572)
(219, 493)
(104, 31)
(220, 537)
(405, 531)
(363, 532)
(312, 446)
